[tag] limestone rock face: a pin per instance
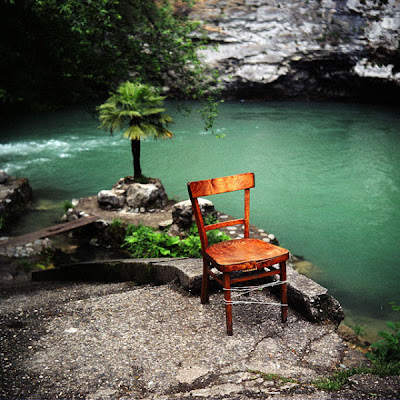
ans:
(303, 48)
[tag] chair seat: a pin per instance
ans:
(241, 254)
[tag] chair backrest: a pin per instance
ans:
(210, 187)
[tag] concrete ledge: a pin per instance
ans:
(304, 295)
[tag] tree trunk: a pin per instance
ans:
(135, 147)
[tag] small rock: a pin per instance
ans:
(182, 213)
(71, 330)
(165, 224)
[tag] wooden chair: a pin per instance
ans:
(239, 254)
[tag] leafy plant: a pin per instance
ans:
(385, 357)
(387, 350)
(86, 48)
(143, 242)
(43, 267)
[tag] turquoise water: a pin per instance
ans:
(327, 180)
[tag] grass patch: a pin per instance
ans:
(67, 204)
(271, 377)
(337, 379)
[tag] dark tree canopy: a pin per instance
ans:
(60, 52)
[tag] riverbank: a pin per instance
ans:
(107, 341)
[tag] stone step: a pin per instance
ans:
(304, 295)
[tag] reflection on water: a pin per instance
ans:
(327, 180)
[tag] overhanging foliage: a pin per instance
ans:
(59, 52)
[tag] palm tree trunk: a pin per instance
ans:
(135, 147)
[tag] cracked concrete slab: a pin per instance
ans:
(304, 295)
(112, 341)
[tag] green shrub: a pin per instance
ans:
(145, 242)
(386, 352)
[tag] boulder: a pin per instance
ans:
(147, 195)
(182, 214)
(109, 199)
(15, 196)
(3, 176)
(130, 195)
(311, 299)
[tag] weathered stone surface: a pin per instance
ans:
(15, 196)
(182, 214)
(108, 199)
(165, 224)
(3, 176)
(157, 342)
(149, 195)
(369, 386)
(311, 299)
(304, 295)
(314, 49)
(132, 196)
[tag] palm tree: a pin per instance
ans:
(137, 109)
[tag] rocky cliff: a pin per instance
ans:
(315, 49)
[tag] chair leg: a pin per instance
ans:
(226, 280)
(205, 283)
(284, 308)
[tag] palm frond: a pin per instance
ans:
(155, 130)
(151, 111)
(134, 132)
(138, 106)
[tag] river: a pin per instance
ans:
(327, 181)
